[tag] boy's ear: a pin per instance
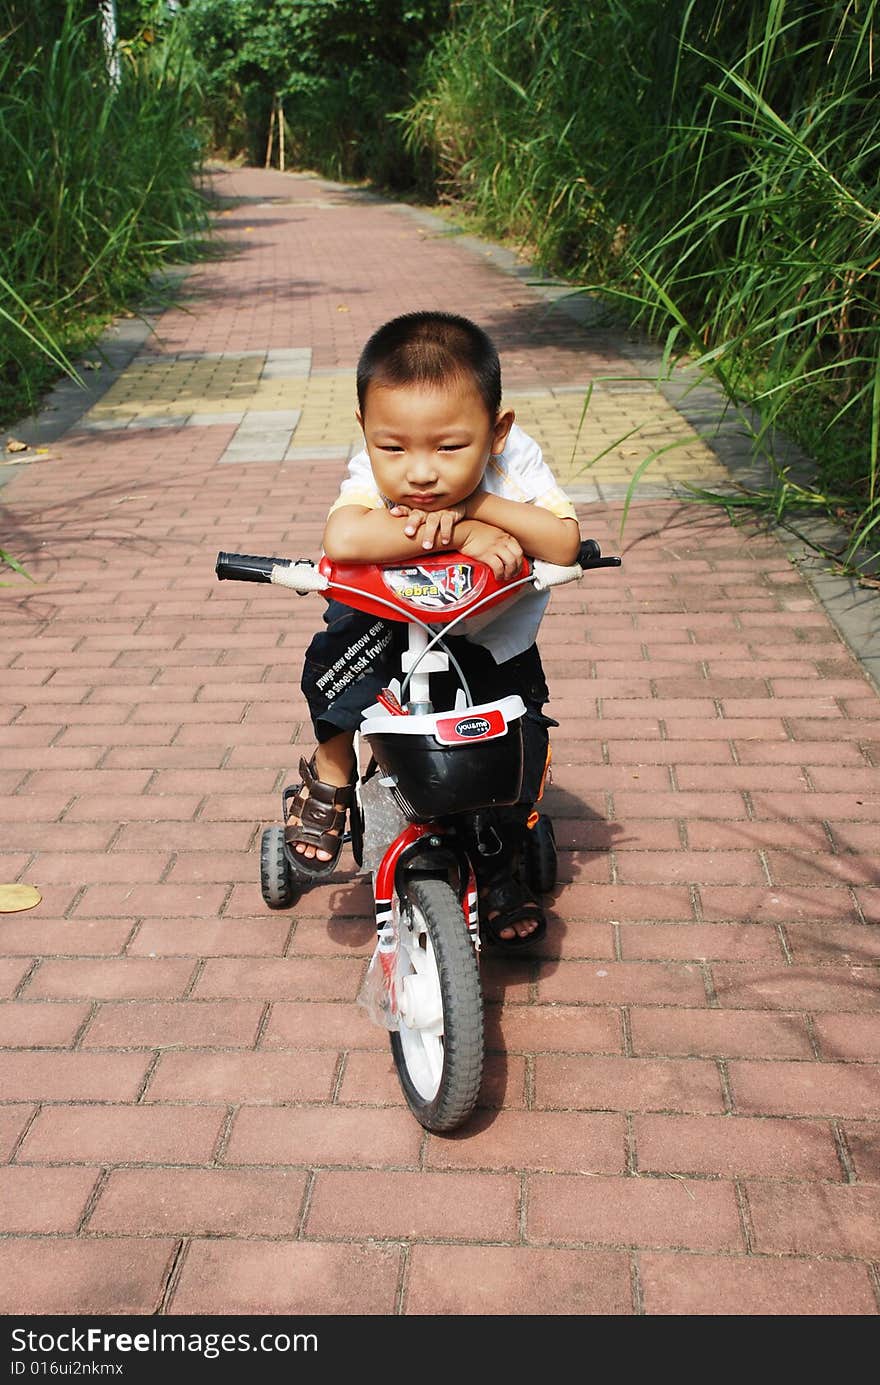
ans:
(360, 419)
(503, 425)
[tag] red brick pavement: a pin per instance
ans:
(681, 1111)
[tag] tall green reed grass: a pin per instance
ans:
(99, 187)
(713, 169)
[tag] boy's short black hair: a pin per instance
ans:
(428, 349)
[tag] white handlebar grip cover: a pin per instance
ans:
(552, 575)
(302, 577)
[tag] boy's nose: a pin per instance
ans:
(421, 471)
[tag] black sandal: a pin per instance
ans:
(506, 900)
(322, 813)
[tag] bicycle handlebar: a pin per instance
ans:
(551, 575)
(302, 575)
(246, 567)
(590, 556)
(299, 573)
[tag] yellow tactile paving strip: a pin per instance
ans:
(173, 387)
(600, 438)
(328, 413)
(605, 437)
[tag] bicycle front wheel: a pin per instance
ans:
(438, 1050)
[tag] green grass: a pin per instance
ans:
(712, 170)
(100, 186)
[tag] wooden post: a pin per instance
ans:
(280, 135)
(271, 133)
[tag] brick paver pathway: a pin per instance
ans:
(681, 1104)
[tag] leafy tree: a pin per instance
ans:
(342, 68)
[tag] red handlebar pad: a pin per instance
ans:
(437, 588)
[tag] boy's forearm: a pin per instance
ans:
(540, 533)
(353, 535)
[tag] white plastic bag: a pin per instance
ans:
(379, 992)
(383, 821)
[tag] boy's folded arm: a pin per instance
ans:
(540, 533)
(357, 534)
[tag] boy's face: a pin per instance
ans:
(429, 446)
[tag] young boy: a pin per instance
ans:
(444, 468)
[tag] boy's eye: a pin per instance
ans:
(452, 446)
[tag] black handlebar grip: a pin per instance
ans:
(590, 556)
(246, 567)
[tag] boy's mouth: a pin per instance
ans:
(419, 501)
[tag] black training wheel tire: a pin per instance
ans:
(540, 856)
(276, 877)
(356, 829)
(435, 911)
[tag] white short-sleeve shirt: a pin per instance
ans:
(518, 473)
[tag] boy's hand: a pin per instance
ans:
(434, 523)
(499, 551)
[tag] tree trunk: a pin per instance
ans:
(110, 33)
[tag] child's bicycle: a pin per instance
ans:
(416, 813)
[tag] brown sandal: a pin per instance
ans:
(506, 900)
(322, 813)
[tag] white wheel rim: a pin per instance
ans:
(421, 1006)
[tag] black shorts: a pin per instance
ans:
(349, 663)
